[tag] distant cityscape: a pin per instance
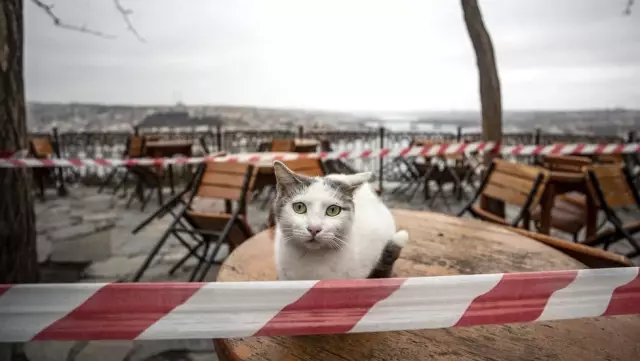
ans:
(93, 117)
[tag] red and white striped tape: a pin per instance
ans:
(429, 150)
(155, 311)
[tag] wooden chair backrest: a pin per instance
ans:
(225, 180)
(283, 145)
(615, 188)
(609, 158)
(306, 166)
(513, 183)
(136, 146)
(566, 163)
(41, 147)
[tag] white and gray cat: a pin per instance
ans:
(332, 227)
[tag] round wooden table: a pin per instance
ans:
(442, 245)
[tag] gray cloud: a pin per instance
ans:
(354, 54)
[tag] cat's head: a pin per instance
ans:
(315, 212)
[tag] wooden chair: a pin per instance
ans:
(613, 186)
(229, 182)
(517, 184)
(43, 148)
(589, 256)
(283, 145)
(569, 210)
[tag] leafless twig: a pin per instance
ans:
(125, 16)
(627, 10)
(48, 9)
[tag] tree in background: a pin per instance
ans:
(490, 95)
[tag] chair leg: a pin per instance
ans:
(212, 258)
(108, 179)
(203, 261)
(182, 260)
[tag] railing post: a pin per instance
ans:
(62, 191)
(537, 140)
(136, 130)
(219, 137)
(459, 134)
(300, 131)
(631, 136)
(381, 170)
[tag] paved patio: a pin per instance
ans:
(86, 237)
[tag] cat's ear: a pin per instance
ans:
(287, 179)
(356, 180)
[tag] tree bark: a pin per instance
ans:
(490, 96)
(18, 258)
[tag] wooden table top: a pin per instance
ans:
(306, 142)
(442, 245)
(168, 143)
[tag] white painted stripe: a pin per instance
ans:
(24, 312)
(609, 148)
(588, 295)
(568, 148)
(420, 303)
(589, 149)
(223, 310)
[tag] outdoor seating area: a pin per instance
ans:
(214, 222)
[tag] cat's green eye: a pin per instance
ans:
(299, 208)
(333, 210)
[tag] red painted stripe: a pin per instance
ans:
(366, 153)
(461, 148)
(619, 148)
(600, 148)
(158, 161)
(344, 154)
(625, 299)
(47, 162)
(18, 163)
(384, 152)
(404, 152)
(323, 155)
(77, 162)
(119, 311)
(425, 149)
(557, 148)
(578, 149)
(443, 149)
(332, 306)
(517, 149)
(518, 297)
(4, 288)
(101, 161)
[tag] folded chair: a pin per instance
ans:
(43, 147)
(209, 230)
(516, 184)
(613, 186)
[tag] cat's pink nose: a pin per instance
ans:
(314, 230)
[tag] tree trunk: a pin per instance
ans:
(18, 258)
(490, 96)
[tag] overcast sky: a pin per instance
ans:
(393, 55)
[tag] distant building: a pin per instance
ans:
(178, 119)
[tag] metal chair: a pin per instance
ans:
(613, 186)
(214, 180)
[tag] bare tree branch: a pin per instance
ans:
(627, 10)
(48, 9)
(125, 16)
